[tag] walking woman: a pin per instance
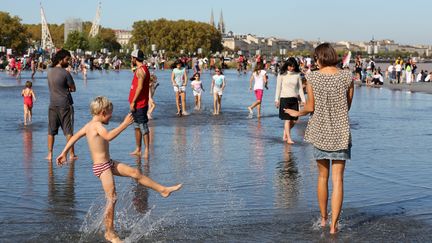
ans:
(289, 86)
(330, 93)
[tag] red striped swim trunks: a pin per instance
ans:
(98, 169)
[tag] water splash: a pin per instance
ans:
(131, 223)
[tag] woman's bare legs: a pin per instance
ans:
(322, 188)
(338, 167)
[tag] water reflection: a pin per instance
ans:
(28, 154)
(141, 194)
(61, 196)
(257, 158)
(286, 181)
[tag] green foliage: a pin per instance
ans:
(13, 34)
(173, 36)
(76, 40)
(95, 43)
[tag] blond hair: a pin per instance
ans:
(100, 104)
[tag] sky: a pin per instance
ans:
(405, 22)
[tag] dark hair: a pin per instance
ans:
(28, 84)
(291, 62)
(193, 76)
(326, 55)
(60, 55)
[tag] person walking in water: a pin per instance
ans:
(289, 86)
(138, 102)
(179, 81)
(29, 97)
(260, 78)
(330, 92)
(217, 87)
(61, 111)
(104, 167)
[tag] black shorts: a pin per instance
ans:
(61, 117)
(288, 103)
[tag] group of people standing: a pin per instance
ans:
(329, 95)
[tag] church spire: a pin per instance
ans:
(221, 25)
(212, 23)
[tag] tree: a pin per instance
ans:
(76, 40)
(95, 43)
(56, 31)
(173, 36)
(13, 34)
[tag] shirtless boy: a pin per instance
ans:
(104, 167)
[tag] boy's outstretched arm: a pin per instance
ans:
(61, 159)
(110, 135)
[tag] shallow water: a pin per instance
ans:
(241, 182)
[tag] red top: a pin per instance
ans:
(143, 97)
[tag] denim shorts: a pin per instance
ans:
(344, 154)
(141, 119)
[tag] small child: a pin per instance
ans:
(153, 85)
(103, 166)
(197, 88)
(217, 86)
(29, 98)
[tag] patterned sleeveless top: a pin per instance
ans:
(328, 129)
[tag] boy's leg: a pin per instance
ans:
(338, 167)
(108, 186)
(322, 188)
(121, 169)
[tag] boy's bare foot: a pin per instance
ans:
(112, 237)
(289, 141)
(136, 152)
(167, 191)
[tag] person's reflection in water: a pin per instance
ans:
(180, 146)
(257, 147)
(140, 200)
(28, 153)
(287, 180)
(61, 198)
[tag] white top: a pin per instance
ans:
(259, 79)
(390, 68)
(288, 85)
(398, 67)
(196, 85)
